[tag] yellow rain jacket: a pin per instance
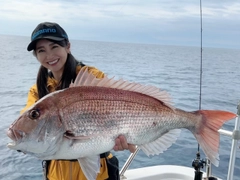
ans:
(64, 169)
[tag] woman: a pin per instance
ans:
(51, 47)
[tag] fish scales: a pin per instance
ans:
(93, 110)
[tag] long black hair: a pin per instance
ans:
(69, 73)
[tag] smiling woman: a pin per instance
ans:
(51, 47)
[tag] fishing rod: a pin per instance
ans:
(199, 163)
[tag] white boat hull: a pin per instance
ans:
(166, 172)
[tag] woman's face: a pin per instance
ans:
(52, 56)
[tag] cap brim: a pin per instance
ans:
(32, 44)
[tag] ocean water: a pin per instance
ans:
(172, 68)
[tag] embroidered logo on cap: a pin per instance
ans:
(42, 31)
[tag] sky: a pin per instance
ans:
(164, 22)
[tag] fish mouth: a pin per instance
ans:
(15, 135)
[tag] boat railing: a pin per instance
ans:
(235, 136)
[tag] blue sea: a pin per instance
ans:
(172, 68)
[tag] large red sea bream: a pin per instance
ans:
(84, 120)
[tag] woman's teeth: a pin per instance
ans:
(53, 62)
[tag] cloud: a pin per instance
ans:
(40, 9)
(140, 21)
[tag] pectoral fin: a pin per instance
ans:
(70, 135)
(90, 166)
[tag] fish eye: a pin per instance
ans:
(34, 114)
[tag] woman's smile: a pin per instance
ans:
(53, 62)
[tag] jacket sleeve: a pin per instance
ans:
(96, 72)
(32, 98)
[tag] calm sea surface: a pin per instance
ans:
(172, 68)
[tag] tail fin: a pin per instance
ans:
(207, 132)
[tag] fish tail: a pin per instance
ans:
(207, 133)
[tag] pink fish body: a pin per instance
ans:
(84, 120)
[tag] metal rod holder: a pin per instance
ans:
(128, 162)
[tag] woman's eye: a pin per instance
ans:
(54, 46)
(41, 50)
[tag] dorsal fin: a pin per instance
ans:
(84, 78)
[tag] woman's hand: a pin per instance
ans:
(121, 144)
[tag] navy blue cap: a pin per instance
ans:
(47, 30)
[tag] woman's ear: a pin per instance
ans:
(68, 48)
